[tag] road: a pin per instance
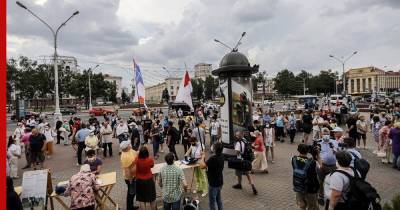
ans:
(275, 188)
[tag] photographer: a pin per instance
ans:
(327, 160)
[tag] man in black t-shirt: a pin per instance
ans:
(135, 137)
(215, 166)
(352, 126)
(36, 148)
(305, 185)
(344, 112)
(172, 136)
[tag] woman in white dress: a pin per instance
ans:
(14, 152)
(269, 141)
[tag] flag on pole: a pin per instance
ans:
(139, 93)
(184, 92)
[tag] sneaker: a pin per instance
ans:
(237, 186)
(254, 189)
(204, 194)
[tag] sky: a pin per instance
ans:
(280, 34)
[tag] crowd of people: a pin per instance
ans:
(326, 146)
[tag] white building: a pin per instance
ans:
(202, 71)
(117, 81)
(154, 92)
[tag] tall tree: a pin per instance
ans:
(198, 88)
(210, 87)
(285, 82)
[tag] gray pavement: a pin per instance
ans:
(275, 188)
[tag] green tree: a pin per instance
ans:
(285, 82)
(210, 85)
(124, 97)
(198, 89)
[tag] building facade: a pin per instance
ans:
(154, 92)
(202, 70)
(117, 80)
(368, 80)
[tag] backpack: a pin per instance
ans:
(361, 165)
(300, 180)
(248, 151)
(361, 195)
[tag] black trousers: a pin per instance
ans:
(292, 133)
(173, 150)
(105, 145)
(87, 208)
(81, 147)
(130, 194)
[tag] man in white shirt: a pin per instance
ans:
(121, 128)
(49, 134)
(337, 184)
(240, 148)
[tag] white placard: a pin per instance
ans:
(34, 188)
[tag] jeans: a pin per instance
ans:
(172, 206)
(213, 139)
(109, 145)
(395, 158)
(214, 196)
(130, 194)
(81, 147)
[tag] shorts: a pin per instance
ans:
(307, 200)
(240, 173)
(361, 136)
(37, 157)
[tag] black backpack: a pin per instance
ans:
(300, 179)
(361, 195)
(248, 151)
(361, 165)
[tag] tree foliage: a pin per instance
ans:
(210, 85)
(198, 89)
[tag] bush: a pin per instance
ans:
(395, 205)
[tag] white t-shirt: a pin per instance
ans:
(196, 151)
(49, 134)
(121, 129)
(339, 182)
(239, 146)
(106, 134)
(18, 133)
(14, 150)
(318, 121)
(214, 128)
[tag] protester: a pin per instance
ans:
(305, 179)
(352, 126)
(128, 165)
(376, 126)
(155, 135)
(260, 162)
(19, 132)
(106, 138)
(199, 134)
(49, 134)
(292, 127)
(81, 136)
(187, 133)
(81, 189)
(91, 142)
(269, 141)
(337, 184)
(280, 127)
(362, 129)
(195, 152)
(37, 147)
(135, 136)
(172, 137)
(94, 162)
(215, 131)
(394, 134)
(145, 187)
(350, 145)
(25, 143)
(14, 152)
(63, 134)
(170, 181)
(13, 201)
(328, 148)
(307, 125)
(384, 138)
(240, 149)
(317, 122)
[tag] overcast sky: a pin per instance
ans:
(280, 33)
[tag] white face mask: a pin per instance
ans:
(326, 137)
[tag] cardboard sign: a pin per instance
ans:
(34, 185)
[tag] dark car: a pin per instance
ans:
(67, 111)
(28, 114)
(185, 108)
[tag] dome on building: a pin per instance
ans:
(235, 63)
(234, 59)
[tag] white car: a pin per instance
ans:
(268, 103)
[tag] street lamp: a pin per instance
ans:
(343, 61)
(169, 73)
(57, 113)
(90, 86)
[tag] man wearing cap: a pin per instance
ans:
(135, 136)
(81, 136)
(128, 162)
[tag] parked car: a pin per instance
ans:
(100, 111)
(67, 111)
(109, 103)
(28, 114)
(268, 103)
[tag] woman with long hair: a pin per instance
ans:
(145, 186)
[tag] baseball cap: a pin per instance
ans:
(338, 129)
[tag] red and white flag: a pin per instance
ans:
(184, 92)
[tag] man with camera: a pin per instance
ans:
(327, 148)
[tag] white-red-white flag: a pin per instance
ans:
(184, 92)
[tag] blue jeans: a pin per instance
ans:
(172, 206)
(214, 196)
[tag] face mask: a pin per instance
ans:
(326, 137)
(267, 126)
